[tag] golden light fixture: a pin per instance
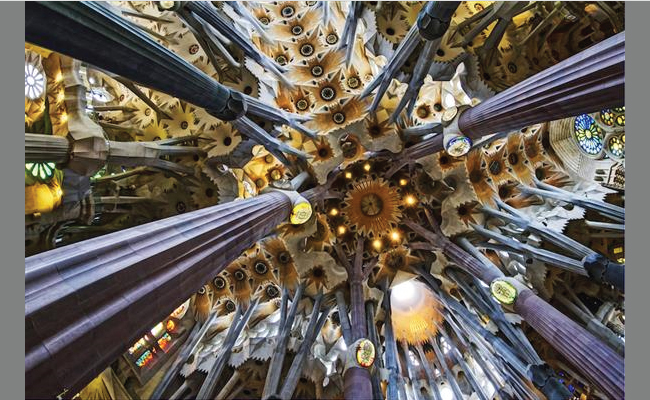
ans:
(403, 182)
(395, 236)
(376, 244)
(334, 212)
(366, 167)
(348, 175)
(410, 200)
(341, 230)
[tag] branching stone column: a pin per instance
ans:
(588, 81)
(391, 347)
(92, 32)
(46, 148)
(357, 378)
(102, 294)
(591, 357)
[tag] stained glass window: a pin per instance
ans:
(34, 81)
(589, 136)
(607, 117)
(164, 342)
(616, 146)
(40, 171)
(620, 118)
(144, 359)
(137, 346)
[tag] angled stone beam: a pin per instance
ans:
(275, 367)
(525, 222)
(593, 325)
(433, 21)
(549, 191)
(350, 30)
(192, 341)
(463, 365)
(246, 14)
(496, 314)
(381, 82)
(559, 260)
(391, 347)
(424, 362)
(91, 32)
(49, 148)
(105, 293)
(379, 360)
(346, 328)
(442, 365)
(208, 388)
(410, 370)
(316, 322)
(213, 16)
(470, 264)
(208, 42)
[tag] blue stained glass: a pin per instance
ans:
(588, 135)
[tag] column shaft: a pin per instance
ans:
(86, 303)
(46, 148)
(591, 357)
(91, 32)
(588, 81)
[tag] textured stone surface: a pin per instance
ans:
(86, 303)
(593, 358)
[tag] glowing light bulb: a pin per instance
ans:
(376, 244)
(406, 293)
(64, 117)
(341, 230)
(410, 200)
(58, 77)
(366, 167)
(348, 175)
(446, 393)
(394, 236)
(403, 182)
(334, 212)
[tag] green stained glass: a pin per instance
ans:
(41, 171)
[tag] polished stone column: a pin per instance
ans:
(390, 347)
(93, 33)
(590, 356)
(87, 302)
(357, 379)
(46, 148)
(586, 82)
